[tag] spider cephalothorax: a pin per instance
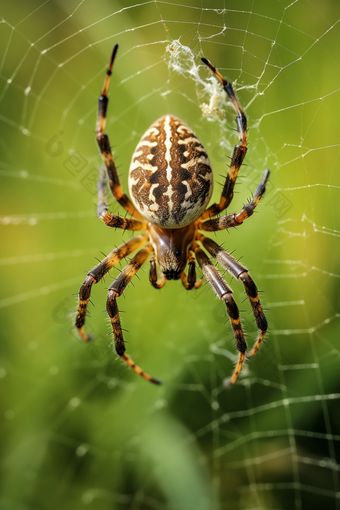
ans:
(171, 248)
(171, 183)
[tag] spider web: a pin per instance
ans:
(77, 423)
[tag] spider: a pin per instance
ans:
(170, 184)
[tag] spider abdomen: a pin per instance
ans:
(170, 177)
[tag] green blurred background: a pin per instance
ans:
(78, 428)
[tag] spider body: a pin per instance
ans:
(170, 177)
(171, 183)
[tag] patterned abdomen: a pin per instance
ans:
(170, 177)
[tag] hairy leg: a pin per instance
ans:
(239, 150)
(224, 292)
(98, 272)
(114, 220)
(105, 148)
(115, 290)
(239, 272)
(234, 220)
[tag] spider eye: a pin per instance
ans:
(178, 253)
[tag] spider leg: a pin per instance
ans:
(115, 290)
(105, 148)
(156, 283)
(239, 272)
(234, 220)
(239, 150)
(190, 282)
(224, 292)
(98, 272)
(114, 220)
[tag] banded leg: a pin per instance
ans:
(190, 282)
(234, 220)
(239, 150)
(224, 292)
(97, 273)
(239, 272)
(116, 290)
(105, 148)
(114, 220)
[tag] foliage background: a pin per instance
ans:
(78, 428)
